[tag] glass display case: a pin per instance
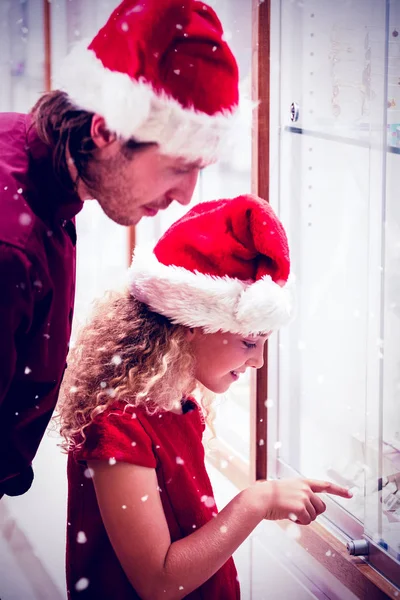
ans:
(334, 394)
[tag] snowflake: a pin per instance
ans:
(208, 501)
(25, 219)
(144, 498)
(112, 461)
(223, 529)
(179, 461)
(82, 584)
(89, 473)
(27, 370)
(116, 359)
(81, 537)
(293, 531)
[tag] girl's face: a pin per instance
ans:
(222, 357)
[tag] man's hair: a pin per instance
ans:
(63, 126)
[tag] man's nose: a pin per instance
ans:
(184, 193)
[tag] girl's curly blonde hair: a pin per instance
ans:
(125, 352)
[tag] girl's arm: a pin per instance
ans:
(133, 516)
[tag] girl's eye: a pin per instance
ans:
(249, 345)
(182, 171)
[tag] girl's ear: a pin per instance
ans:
(190, 333)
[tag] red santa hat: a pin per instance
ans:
(223, 266)
(159, 71)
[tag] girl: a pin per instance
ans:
(142, 521)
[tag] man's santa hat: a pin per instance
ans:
(223, 266)
(159, 71)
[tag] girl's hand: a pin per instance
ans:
(296, 499)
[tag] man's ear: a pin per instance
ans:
(101, 136)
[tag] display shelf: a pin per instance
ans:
(332, 137)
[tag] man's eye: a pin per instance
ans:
(249, 344)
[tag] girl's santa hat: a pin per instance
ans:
(223, 266)
(159, 71)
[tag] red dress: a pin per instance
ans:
(171, 444)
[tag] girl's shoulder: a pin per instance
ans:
(118, 434)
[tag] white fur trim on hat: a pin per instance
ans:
(131, 108)
(213, 303)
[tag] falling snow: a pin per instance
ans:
(82, 584)
(179, 461)
(89, 473)
(112, 461)
(208, 501)
(116, 359)
(81, 537)
(25, 219)
(292, 517)
(144, 498)
(27, 370)
(124, 506)
(223, 529)
(124, 26)
(293, 531)
(269, 403)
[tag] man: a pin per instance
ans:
(138, 112)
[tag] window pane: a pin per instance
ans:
(21, 54)
(102, 255)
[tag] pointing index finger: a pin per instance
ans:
(329, 488)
